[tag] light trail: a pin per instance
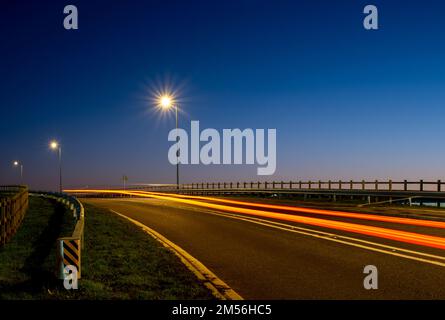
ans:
(391, 234)
(364, 216)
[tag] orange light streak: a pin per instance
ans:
(397, 235)
(364, 216)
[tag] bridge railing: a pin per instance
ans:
(363, 185)
(13, 206)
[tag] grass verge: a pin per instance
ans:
(119, 260)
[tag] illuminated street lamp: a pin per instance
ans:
(54, 145)
(167, 102)
(17, 164)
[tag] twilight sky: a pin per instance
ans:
(346, 102)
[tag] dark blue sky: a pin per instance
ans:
(346, 102)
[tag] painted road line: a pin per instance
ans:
(290, 227)
(355, 242)
(391, 250)
(218, 287)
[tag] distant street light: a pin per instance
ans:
(54, 145)
(124, 179)
(16, 164)
(167, 102)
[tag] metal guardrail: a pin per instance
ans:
(404, 192)
(368, 191)
(13, 206)
(68, 248)
(375, 185)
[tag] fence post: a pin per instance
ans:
(438, 185)
(390, 184)
(421, 185)
(265, 184)
(339, 184)
(363, 185)
(405, 185)
(377, 185)
(290, 184)
(329, 184)
(319, 184)
(2, 222)
(299, 184)
(282, 184)
(310, 184)
(351, 186)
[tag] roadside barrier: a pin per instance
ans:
(69, 248)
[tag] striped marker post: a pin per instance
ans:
(68, 254)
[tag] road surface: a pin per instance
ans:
(269, 258)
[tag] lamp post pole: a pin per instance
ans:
(167, 102)
(177, 151)
(16, 164)
(60, 169)
(54, 145)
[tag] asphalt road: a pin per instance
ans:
(262, 262)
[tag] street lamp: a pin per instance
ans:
(16, 164)
(54, 145)
(167, 102)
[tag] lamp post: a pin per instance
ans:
(16, 164)
(167, 102)
(124, 180)
(54, 145)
